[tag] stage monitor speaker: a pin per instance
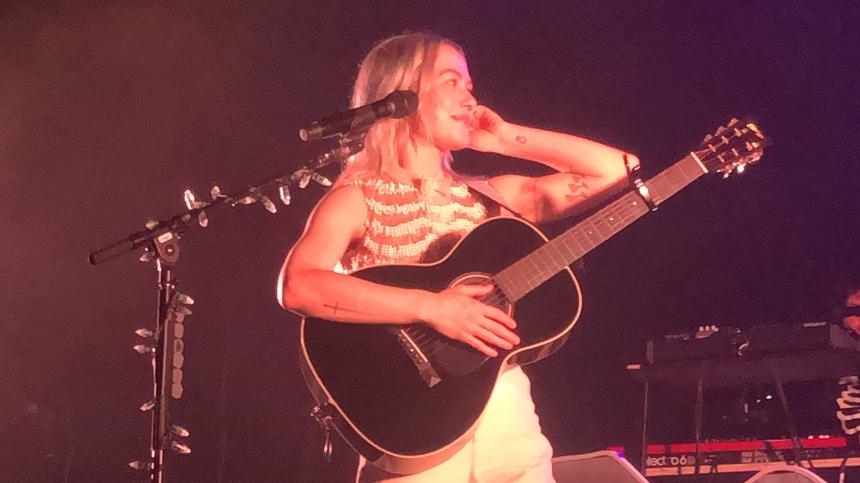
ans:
(597, 467)
(785, 474)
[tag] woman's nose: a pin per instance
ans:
(469, 100)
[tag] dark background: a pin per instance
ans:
(108, 111)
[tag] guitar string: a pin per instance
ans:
(687, 169)
(662, 183)
(620, 210)
(433, 342)
(497, 299)
(579, 239)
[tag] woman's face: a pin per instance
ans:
(445, 107)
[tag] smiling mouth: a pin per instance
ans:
(464, 118)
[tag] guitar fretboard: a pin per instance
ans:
(531, 271)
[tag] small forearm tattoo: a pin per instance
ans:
(521, 139)
(334, 308)
(337, 308)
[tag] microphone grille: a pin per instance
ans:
(403, 103)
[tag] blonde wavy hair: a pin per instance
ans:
(401, 62)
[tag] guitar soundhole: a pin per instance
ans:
(456, 358)
(495, 298)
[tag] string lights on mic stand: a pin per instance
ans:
(165, 343)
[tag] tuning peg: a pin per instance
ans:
(147, 406)
(284, 194)
(202, 219)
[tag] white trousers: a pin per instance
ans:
(507, 447)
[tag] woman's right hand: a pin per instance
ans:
(457, 313)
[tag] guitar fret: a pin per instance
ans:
(673, 179)
(380, 427)
(531, 271)
(557, 256)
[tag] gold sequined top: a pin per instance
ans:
(408, 224)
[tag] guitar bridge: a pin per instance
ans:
(419, 359)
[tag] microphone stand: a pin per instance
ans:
(160, 241)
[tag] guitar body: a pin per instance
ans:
(407, 398)
(382, 407)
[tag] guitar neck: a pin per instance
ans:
(531, 271)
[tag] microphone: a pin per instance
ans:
(397, 104)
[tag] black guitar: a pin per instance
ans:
(406, 397)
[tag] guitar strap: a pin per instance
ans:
(483, 186)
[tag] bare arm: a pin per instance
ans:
(308, 286)
(588, 171)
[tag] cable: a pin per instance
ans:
(799, 453)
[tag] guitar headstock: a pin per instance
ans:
(731, 148)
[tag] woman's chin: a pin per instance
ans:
(457, 142)
(452, 145)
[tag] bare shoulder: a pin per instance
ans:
(345, 194)
(343, 207)
(335, 222)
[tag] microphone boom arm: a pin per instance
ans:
(198, 210)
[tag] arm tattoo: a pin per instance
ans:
(521, 139)
(550, 205)
(333, 307)
(577, 187)
(539, 206)
(336, 307)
